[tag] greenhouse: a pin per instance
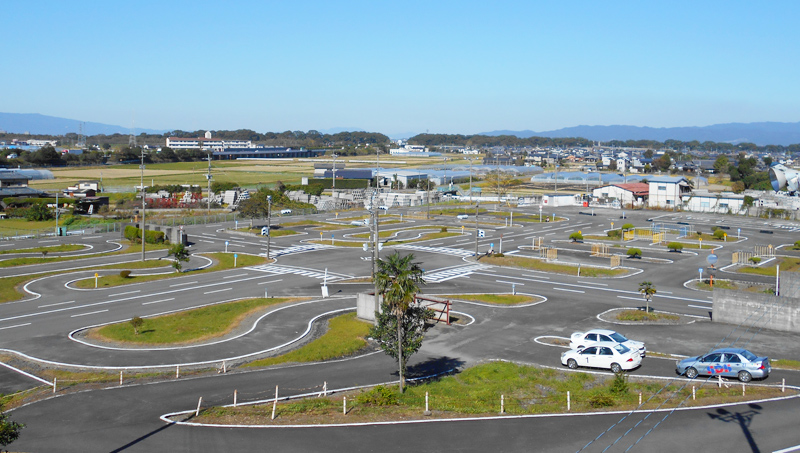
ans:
(584, 178)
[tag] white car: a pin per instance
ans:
(360, 222)
(286, 211)
(580, 340)
(383, 208)
(608, 355)
(462, 217)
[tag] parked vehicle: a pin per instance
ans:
(383, 208)
(286, 211)
(580, 340)
(608, 355)
(462, 217)
(729, 362)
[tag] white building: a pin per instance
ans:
(634, 193)
(667, 191)
(206, 142)
(721, 203)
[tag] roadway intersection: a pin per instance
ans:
(40, 325)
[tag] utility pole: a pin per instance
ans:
(470, 179)
(208, 177)
(333, 190)
(476, 229)
(144, 203)
(428, 215)
(269, 223)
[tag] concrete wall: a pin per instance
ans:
(790, 284)
(366, 306)
(758, 310)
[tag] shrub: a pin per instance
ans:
(379, 396)
(675, 246)
(619, 386)
(614, 234)
(124, 274)
(134, 234)
(627, 226)
(719, 234)
(576, 236)
(634, 252)
(443, 230)
(598, 400)
(499, 255)
(755, 260)
(797, 245)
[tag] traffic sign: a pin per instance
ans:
(712, 259)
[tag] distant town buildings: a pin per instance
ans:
(206, 142)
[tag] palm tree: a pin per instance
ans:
(398, 279)
(648, 290)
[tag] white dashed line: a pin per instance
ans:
(59, 303)
(182, 284)
(122, 294)
(570, 290)
(158, 301)
(217, 291)
(18, 325)
(90, 313)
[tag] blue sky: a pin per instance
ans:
(405, 66)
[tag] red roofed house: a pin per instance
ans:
(630, 194)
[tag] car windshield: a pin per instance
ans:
(749, 355)
(618, 338)
(622, 349)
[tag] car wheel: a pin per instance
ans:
(572, 364)
(744, 376)
(691, 373)
(616, 368)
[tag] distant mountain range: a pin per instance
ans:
(766, 133)
(37, 124)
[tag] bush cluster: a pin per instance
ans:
(134, 234)
(379, 396)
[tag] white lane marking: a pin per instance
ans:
(666, 292)
(593, 283)
(697, 306)
(570, 290)
(788, 449)
(237, 245)
(139, 296)
(536, 276)
(158, 301)
(128, 292)
(59, 303)
(271, 281)
(182, 284)
(90, 313)
(18, 325)
(26, 374)
(510, 283)
(210, 242)
(234, 276)
(7, 245)
(50, 240)
(631, 298)
(217, 291)
(90, 237)
(209, 234)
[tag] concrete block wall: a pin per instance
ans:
(759, 310)
(366, 306)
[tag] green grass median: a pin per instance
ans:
(497, 299)
(189, 326)
(225, 261)
(540, 265)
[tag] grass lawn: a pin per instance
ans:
(225, 261)
(540, 265)
(787, 265)
(346, 334)
(47, 248)
(477, 390)
(642, 316)
(134, 248)
(187, 326)
(499, 299)
(785, 364)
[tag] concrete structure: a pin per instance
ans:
(206, 142)
(667, 191)
(560, 199)
(773, 312)
(366, 306)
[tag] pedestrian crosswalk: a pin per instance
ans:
(442, 250)
(276, 252)
(442, 275)
(276, 269)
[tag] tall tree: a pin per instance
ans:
(9, 430)
(398, 279)
(180, 254)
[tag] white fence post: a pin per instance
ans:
(235, 396)
(694, 397)
(275, 402)
(568, 402)
(344, 405)
(199, 402)
(120, 377)
(55, 384)
(502, 404)
(177, 371)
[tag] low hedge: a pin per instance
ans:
(151, 237)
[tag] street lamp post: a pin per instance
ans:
(470, 180)
(333, 189)
(144, 203)
(269, 223)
